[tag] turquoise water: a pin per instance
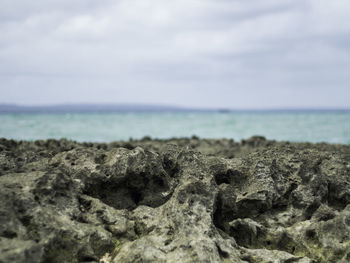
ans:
(333, 127)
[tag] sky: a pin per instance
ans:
(196, 53)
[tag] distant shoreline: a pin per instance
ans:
(139, 108)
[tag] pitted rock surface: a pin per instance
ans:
(176, 200)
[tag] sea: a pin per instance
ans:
(296, 126)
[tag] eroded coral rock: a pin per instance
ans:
(176, 200)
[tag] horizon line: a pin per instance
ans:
(144, 107)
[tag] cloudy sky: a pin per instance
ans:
(198, 53)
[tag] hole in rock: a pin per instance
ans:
(9, 234)
(217, 216)
(335, 200)
(222, 253)
(134, 190)
(310, 233)
(88, 259)
(248, 234)
(311, 210)
(136, 197)
(231, 176)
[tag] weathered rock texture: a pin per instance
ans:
(179, 200)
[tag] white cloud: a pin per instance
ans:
(131, 46)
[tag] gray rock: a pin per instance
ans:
(176, 200)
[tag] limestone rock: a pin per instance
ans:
(176, 200)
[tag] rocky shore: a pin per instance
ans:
(176, 200)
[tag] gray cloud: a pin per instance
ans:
(238, 54)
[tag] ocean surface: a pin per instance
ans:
(332, 126)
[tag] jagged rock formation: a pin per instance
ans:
(178, 200)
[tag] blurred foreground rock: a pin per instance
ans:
(177, 200)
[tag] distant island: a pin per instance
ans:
(90, 108)
(110, 108)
